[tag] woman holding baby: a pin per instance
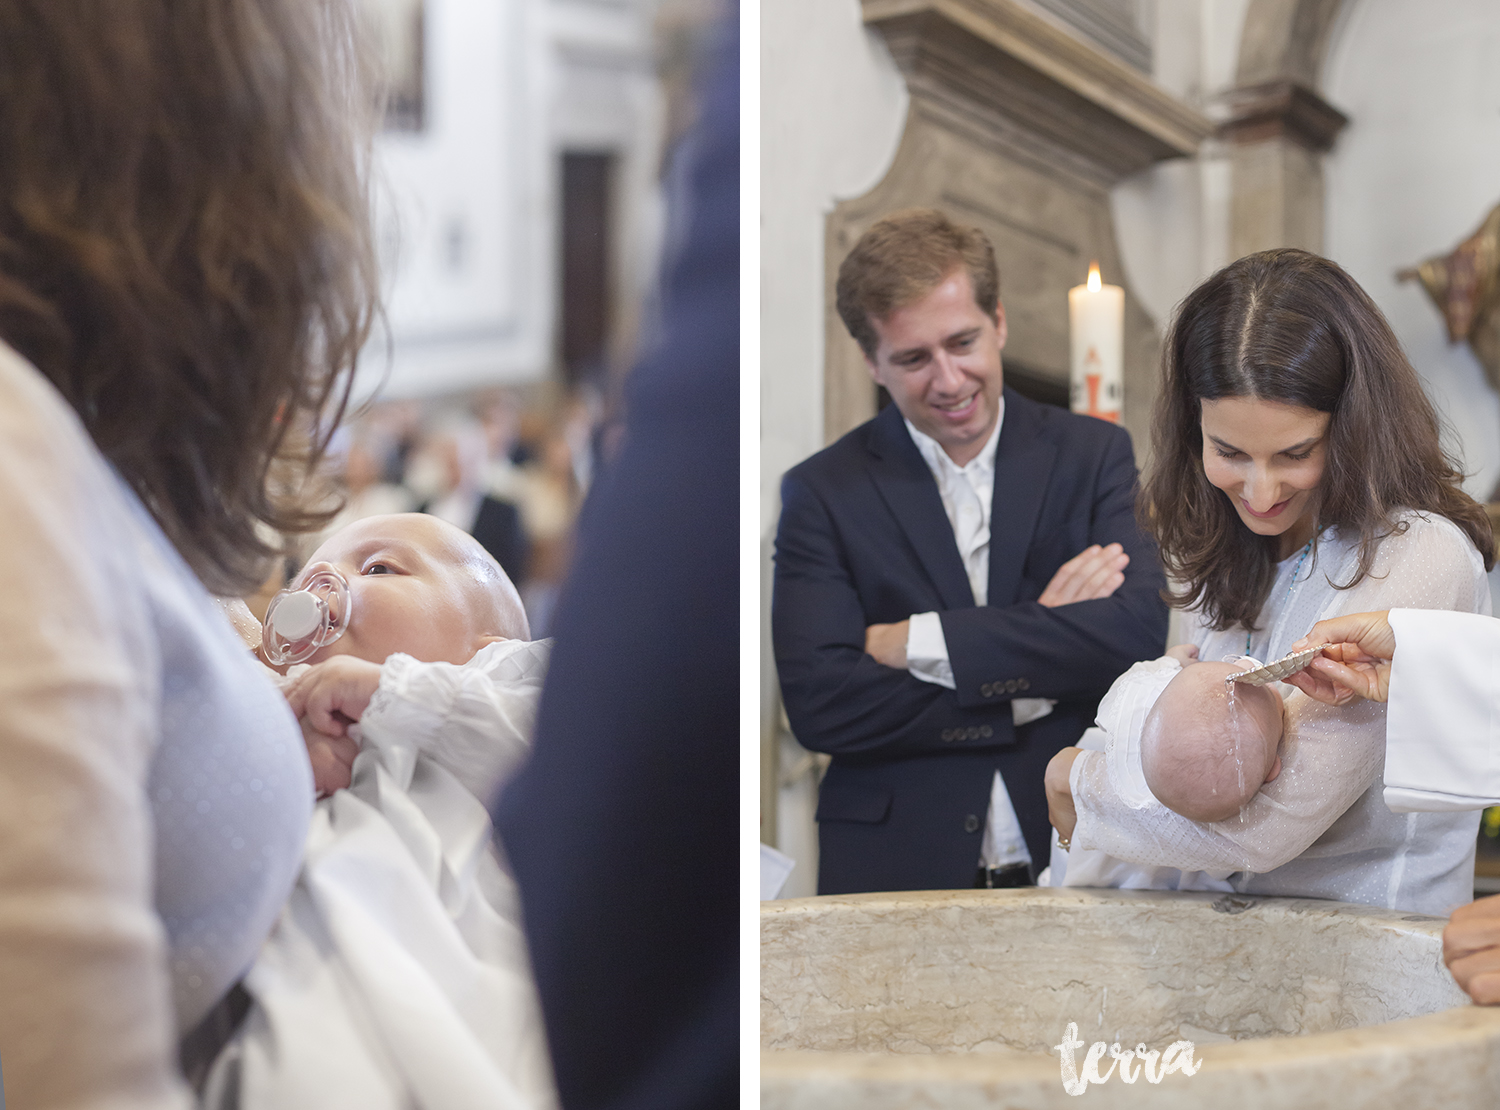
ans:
(1297, 476)
(186, 278)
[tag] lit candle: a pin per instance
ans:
(1096, 319)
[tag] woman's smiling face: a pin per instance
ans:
(1268, 458)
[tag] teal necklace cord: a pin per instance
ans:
(1296, 570)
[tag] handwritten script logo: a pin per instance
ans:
(1178, 1056)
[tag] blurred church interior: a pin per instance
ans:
(518, 198)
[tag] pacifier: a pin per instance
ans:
(300, 621)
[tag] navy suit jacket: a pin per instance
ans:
(863, 539)
(622, 828)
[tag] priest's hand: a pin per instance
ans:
(1356, 659)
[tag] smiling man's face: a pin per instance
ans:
(939, 359)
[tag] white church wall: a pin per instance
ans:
(467, 208)
(1172, 220)
(833, 106)
(832, 110)
(1414, 173)
(462, 211)
(605, 98)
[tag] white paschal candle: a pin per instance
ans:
(1096, 324)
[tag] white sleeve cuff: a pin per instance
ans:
(927, 650)
(1025, 710)
(474, 721)
(1443, 717)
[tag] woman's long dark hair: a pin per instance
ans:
(1289, 326)
(184, 245)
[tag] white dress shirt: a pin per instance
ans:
(967, 493)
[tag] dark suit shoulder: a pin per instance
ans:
(845, 456)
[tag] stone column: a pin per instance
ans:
(1278, 131)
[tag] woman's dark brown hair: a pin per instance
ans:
(1288, 326)
(184, 245)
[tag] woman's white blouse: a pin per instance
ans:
(1321, 829)
(154, 788)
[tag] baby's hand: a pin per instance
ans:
(332, 759)
(327, 698)
(334, 694)
(1184, 653)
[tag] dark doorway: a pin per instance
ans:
(583, 323)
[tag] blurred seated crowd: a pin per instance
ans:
(508, 465)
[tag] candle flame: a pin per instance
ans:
(1094, 283)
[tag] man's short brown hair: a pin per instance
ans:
(902, 258)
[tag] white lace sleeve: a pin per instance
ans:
(1329, 756)
(474, 721)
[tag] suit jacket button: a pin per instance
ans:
(973, 732)
(1023, 684)
(986, 690)
(947, 734)
(1010, 686)
(971, 823)
(986, 732)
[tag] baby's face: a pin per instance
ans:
(416, 585)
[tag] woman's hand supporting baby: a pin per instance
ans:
(327, 698)
(1056, 780)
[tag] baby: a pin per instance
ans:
(1207, 747)
(397, 973)
(1173, 732)
(404, 590)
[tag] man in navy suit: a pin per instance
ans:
(958, 581)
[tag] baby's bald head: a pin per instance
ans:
(1205, 756)
(493, 598)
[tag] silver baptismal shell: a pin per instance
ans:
(1277, 669)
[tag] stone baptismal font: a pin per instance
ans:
(961, 999)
